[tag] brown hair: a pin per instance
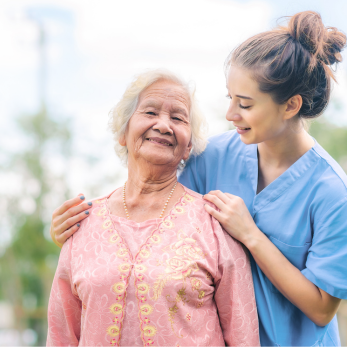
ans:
(294, 59)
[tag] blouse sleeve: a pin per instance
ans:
(326, 264)
(234, 293)
(64, 307)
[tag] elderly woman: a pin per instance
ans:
(150, 266)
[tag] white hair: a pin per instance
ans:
(125, 108)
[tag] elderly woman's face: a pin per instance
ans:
(159, 130)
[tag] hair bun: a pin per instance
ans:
(324, 43)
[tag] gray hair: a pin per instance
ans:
(125, 108)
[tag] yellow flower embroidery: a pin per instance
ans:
(198, 305)
(172, 313)
(196, 283)
(201, 294)
(188, 198)
(146, 309)
(102, 211)
(186, 247)
(155, 238)
(140, 268)
(179, 210)
(119, 288)
(143, 288)
(178, 268)
(144, 253)
(188, 317)
(116, 308)
(106, 224)
(114, 238)
(124, 267)
(149, 330)
(123, 252)
(113, 330)
(168, 224)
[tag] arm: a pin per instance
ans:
(64, 308)
(66, 218)
(234, 216)
(234, 293)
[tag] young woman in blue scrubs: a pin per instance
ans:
(275, 188)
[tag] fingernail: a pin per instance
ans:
(86, 212)
(82, 197)
(90, 203)
(78, 224)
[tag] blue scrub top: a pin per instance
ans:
(303, 212)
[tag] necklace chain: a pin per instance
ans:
(163, 210)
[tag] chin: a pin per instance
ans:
(247, 140)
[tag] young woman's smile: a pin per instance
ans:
(255, 115)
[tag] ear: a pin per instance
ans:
(187, 151)
(292, 106)
(122, 141)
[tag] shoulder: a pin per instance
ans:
(223, 143)
(330, 170)
(330, 177)
(96, 218)
(328, 186)
(214, 226)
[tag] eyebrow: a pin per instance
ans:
(244, 97)
(180, 110)
(151, 103)
(177, 109)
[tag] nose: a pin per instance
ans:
(163, 125)
(232, 114)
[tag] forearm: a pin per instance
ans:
(315, 303)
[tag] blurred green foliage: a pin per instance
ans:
(26, 269)
(332, 138)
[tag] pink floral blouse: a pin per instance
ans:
(177, 281)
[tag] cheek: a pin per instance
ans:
(184, 137)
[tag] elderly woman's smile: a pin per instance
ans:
(160, 263)
(159, 130)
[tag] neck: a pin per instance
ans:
(147, 179)
(286, 149)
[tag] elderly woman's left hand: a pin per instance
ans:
(233, 215)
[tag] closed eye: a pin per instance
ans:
(244, 107)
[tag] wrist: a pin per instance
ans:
(253, 238)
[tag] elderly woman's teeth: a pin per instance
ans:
(162, 143)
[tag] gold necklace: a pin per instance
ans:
(165, 205)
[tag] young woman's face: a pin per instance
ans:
(255, 115)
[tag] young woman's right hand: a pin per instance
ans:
(66, 218)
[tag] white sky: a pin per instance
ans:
(94, 49)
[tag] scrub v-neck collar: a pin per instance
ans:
(276, 188)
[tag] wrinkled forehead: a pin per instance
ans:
(162, 91)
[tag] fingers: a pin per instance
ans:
(213, 212)
(67, 233)
(68, 204)
(71, 217)
(218, 198)
(64, 224)
(71, 212)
